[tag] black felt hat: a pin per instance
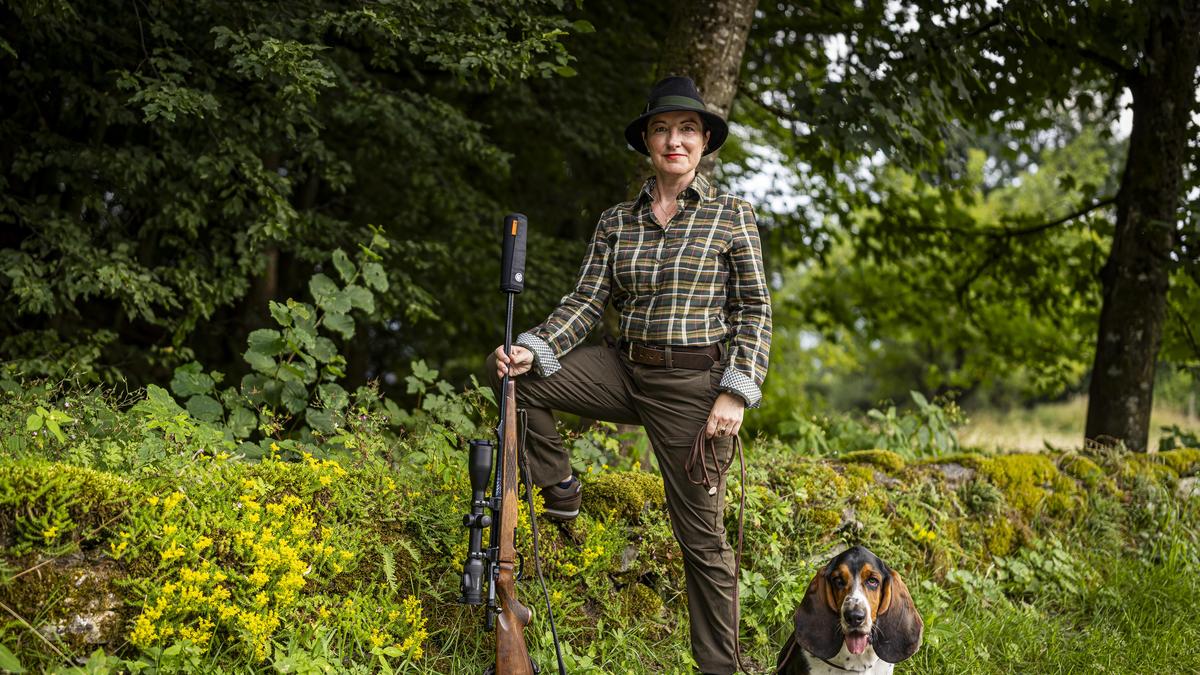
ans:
(672, 94)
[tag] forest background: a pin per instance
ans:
(949, 195)
(248, 255)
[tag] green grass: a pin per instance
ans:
(1141, 619)
(1059, 424)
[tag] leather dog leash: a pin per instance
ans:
(696, 457)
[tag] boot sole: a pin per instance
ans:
(556, 514)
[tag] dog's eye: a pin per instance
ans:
(838, 581)
(872, 583)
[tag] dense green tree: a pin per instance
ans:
(944, 317)
(830, 85)
(168, 169)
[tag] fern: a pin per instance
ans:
(389, 566)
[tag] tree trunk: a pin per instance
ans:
(705, 42)
(1136, 276)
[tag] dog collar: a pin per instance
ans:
(848, 670)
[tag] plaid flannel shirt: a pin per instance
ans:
(696, 282)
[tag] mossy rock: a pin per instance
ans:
(75, 600)
(1063, 498)
(824, 521)
(1000, 537)
(884, 459)
(953, 471)
(640, 602)
(57, 507)
(859, 478)
(820, 480)
(1184, 461)
(970, 460)
(1024, 479)
(1081, 468)
(625, 494)
(1147, 467)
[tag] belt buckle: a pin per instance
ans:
(629, 351)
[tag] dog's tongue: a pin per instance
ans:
(856, 643)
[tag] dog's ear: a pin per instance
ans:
(817, 627)
(898, 628)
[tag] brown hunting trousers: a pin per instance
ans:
(673, 405)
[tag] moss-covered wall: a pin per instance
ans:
(232, 554)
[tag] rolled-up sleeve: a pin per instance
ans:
(748, 306)
(578, 311)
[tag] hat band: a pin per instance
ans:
(676, 100)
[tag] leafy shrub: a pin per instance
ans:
(925, 430)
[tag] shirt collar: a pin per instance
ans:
(699, 189)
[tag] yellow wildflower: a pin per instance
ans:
(258, 578)
(172, 500)
(143, 632)
(171, 553)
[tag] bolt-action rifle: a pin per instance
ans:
(498, 565)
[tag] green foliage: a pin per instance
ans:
(299, 561)
(1175, 438)
(924, 430)
(170, 170)
(926, 287)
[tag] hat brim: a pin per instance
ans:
(716, 127)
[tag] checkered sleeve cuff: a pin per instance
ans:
(544, 361)
(734, 381)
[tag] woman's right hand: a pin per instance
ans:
(517, 362)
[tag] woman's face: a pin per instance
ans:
(676, 142)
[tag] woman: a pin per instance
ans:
(683, 267)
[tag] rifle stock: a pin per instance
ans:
(512, 654)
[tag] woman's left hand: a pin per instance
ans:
(726, 416)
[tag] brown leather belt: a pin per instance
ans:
(692, 358)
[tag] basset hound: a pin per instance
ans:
(857, 617)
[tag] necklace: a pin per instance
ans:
(665, 216)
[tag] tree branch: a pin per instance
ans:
(956, 41)
(1007, 233)
(1187, 329)
(773, 109)
(1116, 67)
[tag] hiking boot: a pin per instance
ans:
(562, 499)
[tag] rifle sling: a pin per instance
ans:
(696, 458)
(537, 558)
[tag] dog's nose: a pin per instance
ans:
(854, 617)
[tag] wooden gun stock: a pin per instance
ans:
(512, 654)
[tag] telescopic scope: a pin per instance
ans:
(479, 466)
